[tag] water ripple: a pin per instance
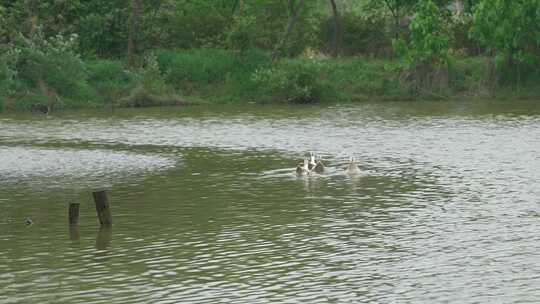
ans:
(207, 208)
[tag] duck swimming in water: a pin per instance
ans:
(303, 169)
(312, 162)
(352, 167)
(319, 166)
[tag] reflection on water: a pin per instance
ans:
(74, 233)
(208, 209)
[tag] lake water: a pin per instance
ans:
(207, 209)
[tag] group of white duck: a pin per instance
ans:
(314, 164)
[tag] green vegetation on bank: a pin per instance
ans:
(176, 52)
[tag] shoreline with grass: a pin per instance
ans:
(218, 76)
(102, 54)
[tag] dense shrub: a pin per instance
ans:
(360, 35)
(8, 74)
(103, 30)
(106, 71)
(143, 86)
(357, 79)
(195, 69)
(4, 32)
(429, 41)
(48, 68)
(188, 24)
(109, 78)
(271, 17)
(241, 36)
(510, 31)
(461, 42)
(425, 57)
(195, 66)
(468, 75)
(292, 81)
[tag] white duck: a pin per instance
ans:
(303, 169)
(312, 162)
(319, 166)
(352, 167)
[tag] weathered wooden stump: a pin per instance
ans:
(73, 214)
(103, 239)
(74, 232)
(102, 208)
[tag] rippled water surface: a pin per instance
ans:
(206, 207)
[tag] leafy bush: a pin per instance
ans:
(8, 74)
(43, 70)
(101, 26)
(271, 16)
(241, 36)
(429, 40)
(468, 75)
(361, 35)
(291, 81)
(102, 71)
(461, 42)
(190, 24)
(510, 30)
(196, 69)
(109, 79)
(150, 76)
(425, 57)
(50, 59)
(196, 66)
(359, 79)
(3, 24)
(149, 88)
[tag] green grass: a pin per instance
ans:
(182, 77)
(211, 72)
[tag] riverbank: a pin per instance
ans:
(199, 76)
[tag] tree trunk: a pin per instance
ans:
(292, 21)
(396, 25)
(394, 8)
(133, 31)
(32, 17)
(337, 31)
(238, 6)
(493, 74)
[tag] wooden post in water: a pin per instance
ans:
(103, 239)
(73, 214)
(102, 208)
(74, 233)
